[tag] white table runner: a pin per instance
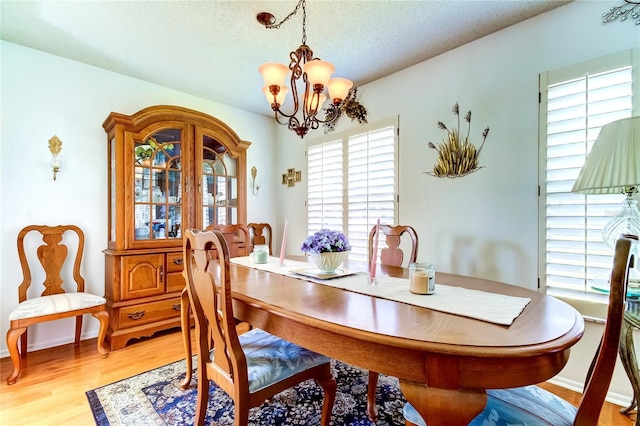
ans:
(481, 305)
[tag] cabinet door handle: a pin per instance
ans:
(178, 261)
(161, 273)
(136, 315)
(176, 307)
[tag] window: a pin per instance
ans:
(575, 103)
(353, 182)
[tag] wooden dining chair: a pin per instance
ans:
(237, 239)
(250, 367)
(236, 236)
(534, 405)
(391, 255)
(257, 235)
(53, 303)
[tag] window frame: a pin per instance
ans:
(629, 57)
(345, 136)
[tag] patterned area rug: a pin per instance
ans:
(155, 398)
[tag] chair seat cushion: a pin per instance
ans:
(271, 359)
(528, 405)
(56, 303)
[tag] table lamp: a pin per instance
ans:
(613, 167)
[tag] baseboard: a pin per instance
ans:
(31, 347)
(612, 397)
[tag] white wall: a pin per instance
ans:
(484, 224)
(43, 95)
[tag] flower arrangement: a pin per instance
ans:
(350, 107)
(457, 157)
(326, 241)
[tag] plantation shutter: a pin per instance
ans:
(580, 100)
(353, 182)
(371, 186)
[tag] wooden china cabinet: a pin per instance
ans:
(169, 169)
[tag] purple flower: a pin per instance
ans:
(325, 241)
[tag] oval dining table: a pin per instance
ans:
(444, 362)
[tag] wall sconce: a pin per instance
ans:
(55, 146)
(255, 186)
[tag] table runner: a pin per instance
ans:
(482, 305)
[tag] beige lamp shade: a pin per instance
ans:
(273, 73)
(614, 160)
(339, 89)
(318, 72)
(280, 97)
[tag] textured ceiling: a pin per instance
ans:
(212, 49)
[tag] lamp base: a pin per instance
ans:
(627, 221)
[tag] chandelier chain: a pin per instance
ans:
(290, 15)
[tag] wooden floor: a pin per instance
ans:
(52, 385)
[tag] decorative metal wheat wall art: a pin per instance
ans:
(457, 158)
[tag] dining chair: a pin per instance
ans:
(257, 235)
(391, 255)
(53, 303)
(250, 367)
(534, 405)
(237, 237)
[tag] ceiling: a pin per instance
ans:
(212, 49)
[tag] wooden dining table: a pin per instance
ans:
(444, 362)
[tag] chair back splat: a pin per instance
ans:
(392, 254)
(250, 367)
(260, 233)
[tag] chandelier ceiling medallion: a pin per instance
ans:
(630, 8)
(315, 75)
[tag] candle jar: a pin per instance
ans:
(422, 278)
(260, 253)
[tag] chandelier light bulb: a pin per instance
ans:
(314, 104)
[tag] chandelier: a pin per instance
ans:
(314, 74)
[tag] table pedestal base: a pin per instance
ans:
(434, 405)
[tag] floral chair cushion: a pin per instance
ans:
(528, 405)
(56, 303)
(271, 359)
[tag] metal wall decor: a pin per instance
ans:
(457, 157)
(291, 177)
(630, 8)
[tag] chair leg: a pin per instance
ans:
(12, 344)
(203, 396)
(186, 337)
(23, 344)
(78, 330)
(103, 317)
(329, 386)
(372, 408)
(241, 413)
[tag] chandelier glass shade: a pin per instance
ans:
(308, 78)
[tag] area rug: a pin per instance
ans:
(155, 398)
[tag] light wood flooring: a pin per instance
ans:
(52, 384)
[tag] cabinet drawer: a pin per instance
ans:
(146, 313)
(175, 262)
(175, 282)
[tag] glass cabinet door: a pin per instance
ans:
(158, 186)
(219, 184)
